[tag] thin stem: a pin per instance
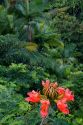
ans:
(42, 121)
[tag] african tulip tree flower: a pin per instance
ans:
(51, 92)
(60, 90)
(63, 107)
(49, 89)
(44, 108)
(33, 96)
(69, 95)
(46, 84)
(55, 85)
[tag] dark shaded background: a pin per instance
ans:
(1, 1)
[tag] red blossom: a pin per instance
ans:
(44, 108)
(54, 85)
(33, 96)
(46, 84)
(60, 90)
(63, 107)
(69, 95)
(51, 91)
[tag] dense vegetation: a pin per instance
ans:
(39, 40)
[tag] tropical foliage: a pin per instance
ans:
(40, 40)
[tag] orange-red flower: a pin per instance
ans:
(46, 84)
(51, 91)
(54, 85)
(44, 108)
(69, 95)
(63, 107)
(60, 90)
(33, 96)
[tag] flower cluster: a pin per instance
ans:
(51, 92)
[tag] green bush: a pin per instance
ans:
(40, 40)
